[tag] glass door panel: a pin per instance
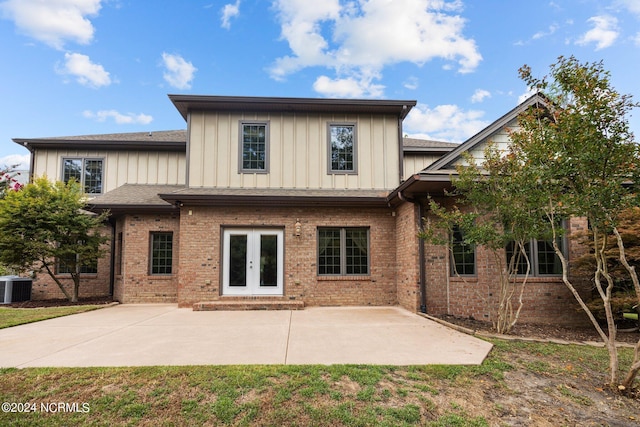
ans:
(238, 260)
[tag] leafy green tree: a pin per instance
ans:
(497, 205)
(580, 149)
(43, 224)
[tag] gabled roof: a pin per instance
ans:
(481, 136)
(186, 103)
(168, 140)
(436, 178)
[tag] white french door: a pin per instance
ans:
(252, 261)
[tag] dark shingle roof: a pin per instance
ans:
(168, 140)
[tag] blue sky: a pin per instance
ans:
(75, 67)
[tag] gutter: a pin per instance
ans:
(421, 253)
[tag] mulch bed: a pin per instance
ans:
(59, 302)
(530, 330)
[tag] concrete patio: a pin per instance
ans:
(163, 334)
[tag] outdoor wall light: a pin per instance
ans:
(298, 228)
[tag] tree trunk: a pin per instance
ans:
(55, 279)
(635, 364)
(610, 345)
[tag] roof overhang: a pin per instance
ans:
(60, 143)
(275, 198)
(420, 186)
(186, 103)
(122, 209)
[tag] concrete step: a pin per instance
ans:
(248, 304)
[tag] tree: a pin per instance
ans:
(497, 205)
(578, 146)
(8, 180)
(44, 224)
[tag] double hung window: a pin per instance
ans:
(254, 147)
(463, 255)
(342, 148)
(343, 251)
(161, 258)
(86, 171)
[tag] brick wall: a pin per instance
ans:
(407, 259)
(546, 299)
(91, 285)
(135, 284)
(201, 263)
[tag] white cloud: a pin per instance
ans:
(229, 11)
(528, 94)
(86, 72)
(636, 39)
(411, 83)
(542, 34)
(179, 73)
(480, 95)
(20, 161)
(118, 118)
(444, 123)
(349, 87)
(362, 37)
(632, 6)
(53, 21)
(604, 32)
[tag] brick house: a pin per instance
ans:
(282, 202)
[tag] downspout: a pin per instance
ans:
(422, 284)
(112, 262)
(32, 160)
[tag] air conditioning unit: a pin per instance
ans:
(14, 289)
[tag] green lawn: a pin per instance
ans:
(518, 384)
(10, 316)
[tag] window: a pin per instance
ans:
(343, 251)
(88, 172)
(66, 266)
(342, 148)
(543, 259)
(254, 147)
(161, 253)
(463, 255)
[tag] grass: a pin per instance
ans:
(338, 395)
(10, 316)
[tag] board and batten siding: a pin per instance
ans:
(120, 167)
(414, 163)
(500, 139)
(298, 151)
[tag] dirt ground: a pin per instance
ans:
(59, 302)
(626, 333)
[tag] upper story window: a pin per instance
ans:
(254, 147)
(86, 171)
(342, 148)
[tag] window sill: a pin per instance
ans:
(344, 278)
(518, 278)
